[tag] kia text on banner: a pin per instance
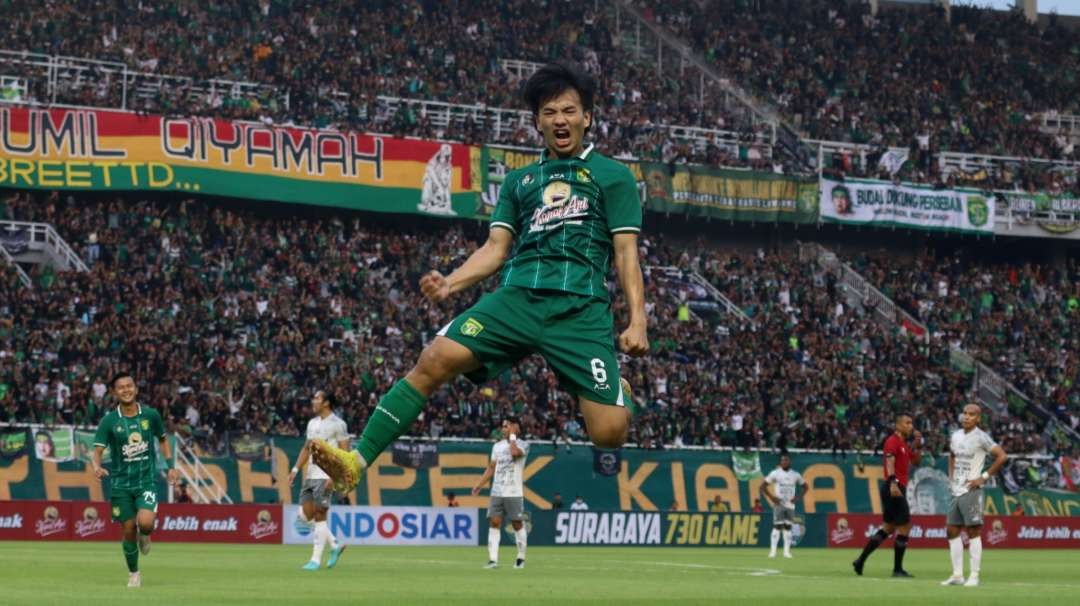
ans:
(881, 203)
(736, 195)
(394, 525)
(103, 150)
(645, 480)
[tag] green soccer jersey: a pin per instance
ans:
(564, 213)
(132, 443)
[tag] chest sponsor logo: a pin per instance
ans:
(135, 448)
(560, 205)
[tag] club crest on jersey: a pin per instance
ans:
(471, 327)
(145, 425)
(556, 193)
(584, 175)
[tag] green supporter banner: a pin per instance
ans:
(1054, 215)
(647, 480)
(696, 191)
(94, 150)
(884, 203)
(730, 195)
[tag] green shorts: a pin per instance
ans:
(127, 501)
(574, 333)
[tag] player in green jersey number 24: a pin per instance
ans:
(129, 431)
(558, 225)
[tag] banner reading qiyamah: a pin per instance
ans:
(881, 203)
(103, 150)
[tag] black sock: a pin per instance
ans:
(874, 542)
(898, 551)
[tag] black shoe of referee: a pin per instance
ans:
(902, 574)
(858, 565)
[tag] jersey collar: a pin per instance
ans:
(120, 412)
(584, 155)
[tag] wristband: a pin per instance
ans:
(295, 469)
(985, 476)
(170, 464)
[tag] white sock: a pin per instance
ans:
(787, 540)
(493, 544)
(318, 541)
(956, 554)
(774, 539)
(328, 537)
(522, 541)
(975, 552)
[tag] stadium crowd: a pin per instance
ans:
(1021, 319)
(973, 82)
(825, 71)
(231, 320)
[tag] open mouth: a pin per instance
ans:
(562, 137)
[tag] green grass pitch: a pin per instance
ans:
(94, 573)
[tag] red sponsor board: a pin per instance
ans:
(56, 521)
(86, 521)
(219, 523)
(1036, 532)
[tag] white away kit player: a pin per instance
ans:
(968, 448)
(317, 493)
(507, 491)
(782, 487)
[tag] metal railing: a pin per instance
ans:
(1055, 123)
(854, 283)
(46, 237)
(58, 80)
(200, 481)
(696, 279)
(23, 277)
(519, 69)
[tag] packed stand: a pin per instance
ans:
(335, 58)
(231, 321)
(1021, 319)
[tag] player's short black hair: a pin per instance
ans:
(902, 414)
(120, 375)
(512, 419)
(331, 401)
(553, 80)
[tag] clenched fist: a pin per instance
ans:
(435, 287)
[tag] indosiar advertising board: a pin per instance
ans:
(354, 525)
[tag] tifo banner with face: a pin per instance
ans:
(113, 151)
(881, 203)
(730, 195)
(354, 525)
(1015, 532)
(642, 480)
